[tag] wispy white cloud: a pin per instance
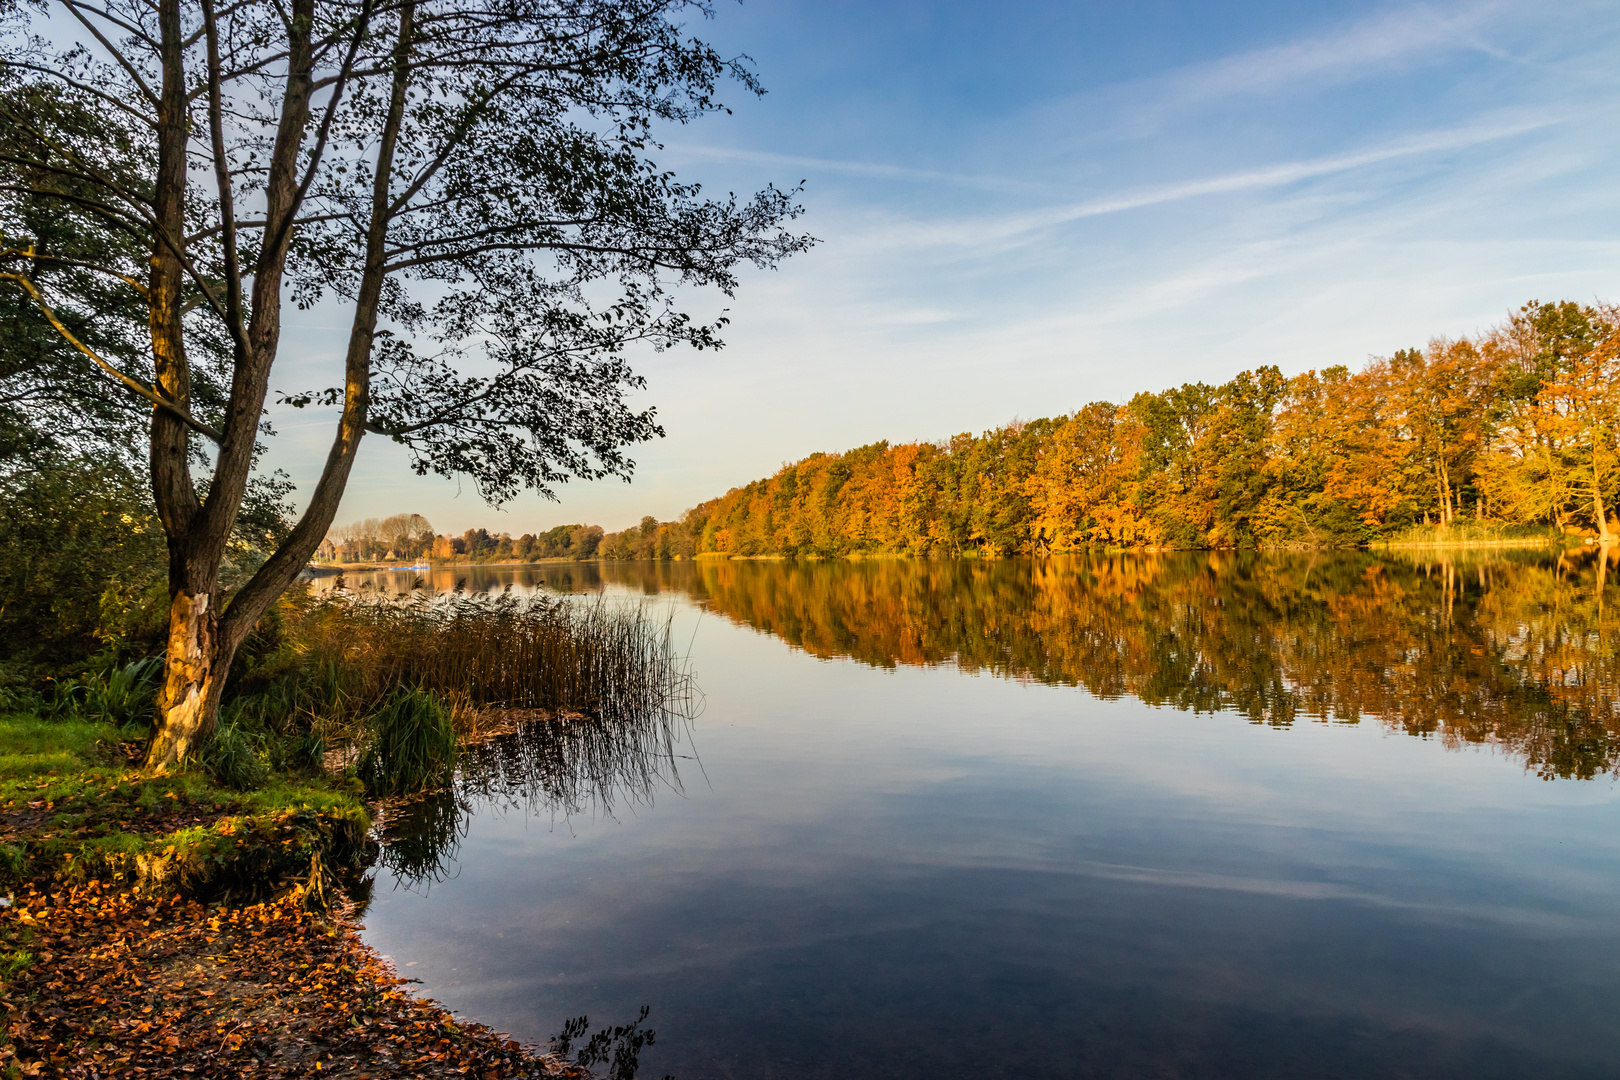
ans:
(918, 317)
(1294, 171)
(1352, 51)
(877, 170)
(1001, 229)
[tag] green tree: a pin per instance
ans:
(349, 151)
(1553, 455)
(80, 551)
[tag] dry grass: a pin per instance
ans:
(482, 650)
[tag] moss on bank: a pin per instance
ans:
(73, 810)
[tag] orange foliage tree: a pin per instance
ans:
(1517, 426)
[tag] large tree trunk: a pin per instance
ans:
(183, 705)
(203, 639)
(194, 672)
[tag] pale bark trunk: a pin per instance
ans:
(1599, 511)
(193, 673)
(183, 703)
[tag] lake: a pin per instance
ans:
(1192, 815)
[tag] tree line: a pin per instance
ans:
(411, 536)
(1513, 427)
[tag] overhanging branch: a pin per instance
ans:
(127, 381)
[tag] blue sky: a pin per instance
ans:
(1027, 207)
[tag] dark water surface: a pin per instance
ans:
(1175, 816)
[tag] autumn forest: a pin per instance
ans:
(1513, 427)
(1510, 430)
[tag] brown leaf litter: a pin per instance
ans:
(120, 985)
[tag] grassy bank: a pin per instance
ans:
(172, 926)
(201, 924)
(73, 810)
(1477, 534)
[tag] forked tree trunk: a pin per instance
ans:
(1443, 478)
(1600, 512)
(204, 633)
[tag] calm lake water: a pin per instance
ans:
(1148, 816)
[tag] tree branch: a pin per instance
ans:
(129, 68)
(222, 175)
(85, 88)
(322, 134)
(132, 384)
(592, 249)
(174, 244)
(93, 267)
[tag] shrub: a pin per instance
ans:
(80, 549)
(232, 758)
(124, 695)
(115, 694)
(413, 745)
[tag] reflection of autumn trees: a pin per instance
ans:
(1515, 652)
(1517, 426)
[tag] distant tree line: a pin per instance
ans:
(1514, 427)
(411, 536)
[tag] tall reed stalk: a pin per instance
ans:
(526, 652)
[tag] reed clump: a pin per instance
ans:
(508, 650)
(412, 747)
(390, 681)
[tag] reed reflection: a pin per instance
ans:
(1513, 649)
(557, 767)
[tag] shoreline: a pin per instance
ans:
(1570, 542)
(166, 987)
(167, 928)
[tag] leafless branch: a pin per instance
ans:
(227, 204)
(130, 69)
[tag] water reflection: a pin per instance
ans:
(1513, 649)
(421, 839)
(891, 869)
(556, 769)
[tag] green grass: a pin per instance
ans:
(74, 810)
(34, 745)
